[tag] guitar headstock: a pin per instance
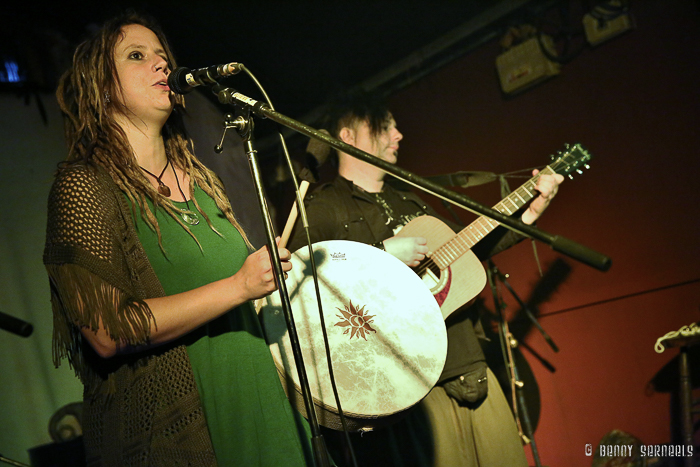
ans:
(573, 158)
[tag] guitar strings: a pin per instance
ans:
(424, 265)
(429, 263)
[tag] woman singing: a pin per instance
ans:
(151, 276)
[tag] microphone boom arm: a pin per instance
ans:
(558, 243)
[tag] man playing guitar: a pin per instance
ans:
(465, 420)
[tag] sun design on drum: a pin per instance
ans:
(356, 320)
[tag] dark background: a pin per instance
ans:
(301, 51)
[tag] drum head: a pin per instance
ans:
(386, 333)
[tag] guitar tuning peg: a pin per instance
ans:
(571, 176)
(587, 166)
(579, 171)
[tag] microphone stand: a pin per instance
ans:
(556, 242)
(504, 279)
(244, 126)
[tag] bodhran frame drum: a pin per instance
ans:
(386, 334)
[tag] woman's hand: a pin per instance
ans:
(257, 276)
(176, 315)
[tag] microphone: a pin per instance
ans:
(15, 325)
(182, 80)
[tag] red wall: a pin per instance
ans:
(634, 103)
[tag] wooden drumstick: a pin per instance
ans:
(303, 186)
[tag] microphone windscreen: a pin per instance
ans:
(177, 82)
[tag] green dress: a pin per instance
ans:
(250, 419)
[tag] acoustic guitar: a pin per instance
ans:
(451, 270)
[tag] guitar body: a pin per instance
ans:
(461, 281)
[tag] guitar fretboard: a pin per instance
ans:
(481, 227)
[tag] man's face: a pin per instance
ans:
(384, 145)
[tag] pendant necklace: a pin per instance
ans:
(385, 206)
(188, 216)
(163, 189)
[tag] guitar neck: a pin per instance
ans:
(482, 226)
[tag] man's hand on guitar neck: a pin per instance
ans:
(547, 187)
(410, 250)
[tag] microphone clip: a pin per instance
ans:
(244, 127)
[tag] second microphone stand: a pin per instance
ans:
(508, 342)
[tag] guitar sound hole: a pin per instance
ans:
(428, 266)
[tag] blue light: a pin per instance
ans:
(11, 72)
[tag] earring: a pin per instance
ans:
(107, 100)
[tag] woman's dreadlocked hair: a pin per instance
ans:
(94, 137)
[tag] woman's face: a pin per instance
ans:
(142, 67)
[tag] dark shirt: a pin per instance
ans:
(340, 210)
